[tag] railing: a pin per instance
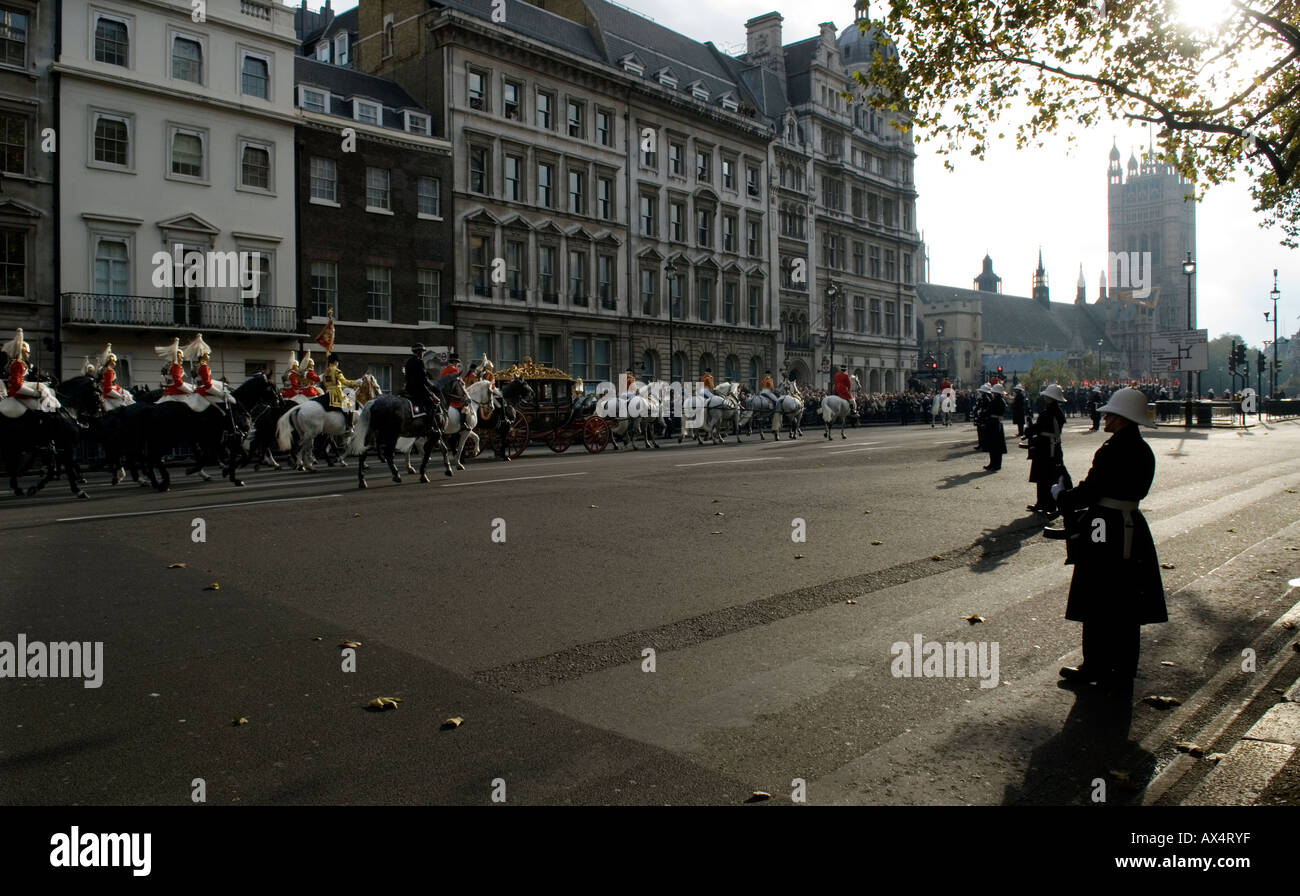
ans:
(1281, 408)
(167, 313)
(255, 9)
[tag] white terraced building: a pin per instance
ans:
(176, 132)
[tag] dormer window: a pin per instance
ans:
(632, 65)
(666, 77)
(367, 112)
(418, 123)
(699, 91)
(323, 51)
(729, 103)
(341, 48)
(312, 100)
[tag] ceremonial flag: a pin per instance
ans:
(326, 337)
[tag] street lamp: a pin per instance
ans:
(1274, 295)
(938, 329)
(832, 292)
(1189, 268)
(1099, 342)
(670, 271)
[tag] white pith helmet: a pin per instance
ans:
(1129, 404)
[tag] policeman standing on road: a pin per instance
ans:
(1046, 460)
(1116, 588)
(995, 439)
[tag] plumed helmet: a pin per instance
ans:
(196, 348)
(15, 347)
(170, 352)
(307, 360)
(1053, 391)
(1129, 404)
(107, 356)
(89, 367)
(293, 360)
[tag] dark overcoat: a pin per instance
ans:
(995, 439)
(1107, 584)
(1045, 454)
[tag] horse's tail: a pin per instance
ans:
(362, 428)
(825, 410)
(284, 429)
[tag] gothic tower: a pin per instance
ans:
(1041, 293)
(1149, 215)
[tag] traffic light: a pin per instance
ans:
(1232, 359)
(934, 366)
(999, 370)
(1259, 361)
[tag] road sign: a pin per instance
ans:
(1180, 350)
(826, 365)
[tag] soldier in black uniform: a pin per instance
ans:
(1018, 409)
(1046, 460)
(418, 387)
(1116, 588)
(995, 440)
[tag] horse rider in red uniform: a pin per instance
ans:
(291, 378)
(174, 355)
(843, 384)
(308, 375)
(111, 395)
(453, 369)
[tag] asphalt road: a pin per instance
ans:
(523, 598)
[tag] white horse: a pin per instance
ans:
(703, 417)
(788, 407)
(462, 421)
(834, 409)
(309, 420)
(630, 413)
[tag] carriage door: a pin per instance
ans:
(186, 299)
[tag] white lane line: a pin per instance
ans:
(852, 450)
(117, 516)
(514, 479)
(860, 443)
(705, 463)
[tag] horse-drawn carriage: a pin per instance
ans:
(559, 414)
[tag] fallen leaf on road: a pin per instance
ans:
(177, 566)
(1167, 566)
(866, 511)
(718, 513)
(1232, 530)
(1288, 624)
(758, 796)
(850, 601)
(974, 619)
(715, 500)
(355, 515)
(350, 644)
(1215, 757)
(1189, 748)
(715, 533)
(798, 556)
(877, 542)
(215, 586)
(384, 703)
(1119, 774)
(936, 557)
(592, 506)
(239, 721)
(1271, 572)
(1290, 491)
(1166, 663)
(1161, 702)
(453, 722)
(317, 639)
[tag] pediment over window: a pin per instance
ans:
(190, 223)
(482, 216)
(17, 209)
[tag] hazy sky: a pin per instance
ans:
(1054, 197)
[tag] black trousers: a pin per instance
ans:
(1110, 649)
(1045, 499)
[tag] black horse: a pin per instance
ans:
(152, 430)
(505, 413)
(388, 418)
(52, 435)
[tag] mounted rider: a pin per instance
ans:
(308, 377)
(24, 394)
(334, 383)
(706, 383)
(174, 386)
(291, 380)
(111, 395)
(843, 384)
(768, 390)
(446, 384)
(217, 393)
(419, 389)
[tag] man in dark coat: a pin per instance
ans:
(1018, 408)
(1116, 588)
(1046, 460)
(995, 440)
(418, 387)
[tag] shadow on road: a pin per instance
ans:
(996, 545)
(1091, 760)
(958, 479)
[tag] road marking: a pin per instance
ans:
(836, 446)
(117, 516)
(851, 450)
(515, 479)
(705, 463)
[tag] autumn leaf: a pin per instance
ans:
(215, 586)
(974, 619)
(453, 722)
(1189, 748)
(382, 703)
(759, 796)
(239, 721)
(1161, 702)
(177, 566)
(350, 644)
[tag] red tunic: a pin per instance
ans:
(205, 379)
(110, 388)
(843, 386)
(176, 373)
(292, 389)
(312, 379)
(17, 371)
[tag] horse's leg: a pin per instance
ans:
(843, 420)
(361, 467)
(424, 460)
(388, 453)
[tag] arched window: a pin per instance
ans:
(889, 381)
(873, 380)
(679, 367)
(753, 372)
(706, 363)
(732, 368)
(649, 365)
(388, 39)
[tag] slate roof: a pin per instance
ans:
(345, 83)
(798, 69)
(528, 20)
(1024, 323)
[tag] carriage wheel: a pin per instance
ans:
(558, 442)
(595, 434)
(517, 441)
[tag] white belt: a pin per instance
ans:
(1127, 507)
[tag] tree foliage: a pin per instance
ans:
(1045, 370)
(1225, 100)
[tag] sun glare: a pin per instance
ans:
(1203, 14)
